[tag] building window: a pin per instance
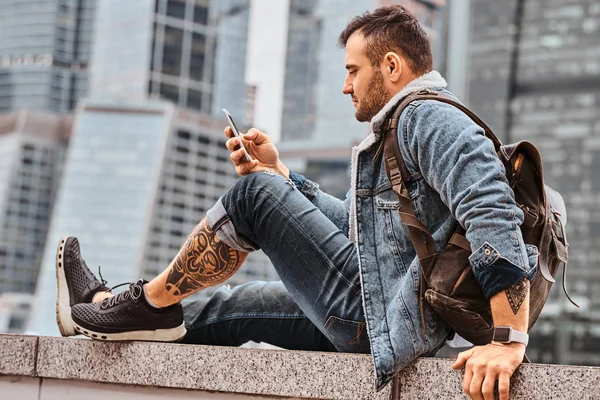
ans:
(197, 56)
(201, 12)
(176, 8)
(16, 323)
(171, 61)
(184, 135)
(154, 30)
(169, 92)
(194, 100)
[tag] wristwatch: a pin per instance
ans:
(506, 334)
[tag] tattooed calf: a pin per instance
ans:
(202, 261)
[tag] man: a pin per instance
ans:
(349, 275)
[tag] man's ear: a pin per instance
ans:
(392, 65)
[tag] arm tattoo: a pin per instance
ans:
(202, 261)
(517, 293)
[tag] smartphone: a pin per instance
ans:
(236, 133)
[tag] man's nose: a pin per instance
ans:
(347, 89)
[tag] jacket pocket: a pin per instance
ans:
(387, 199)
(348, 336)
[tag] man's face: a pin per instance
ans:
(364, 83)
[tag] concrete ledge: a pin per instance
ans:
(431, 378)
(225, 369)
(18, 355)
(269, 373)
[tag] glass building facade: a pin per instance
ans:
(190, 52)
(231, 21)
(301, 71)
(44, 53)
(32, 148)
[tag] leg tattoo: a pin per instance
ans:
(202, 261)
(517, 293)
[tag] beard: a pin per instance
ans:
(375, 98)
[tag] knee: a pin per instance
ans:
(256, 182)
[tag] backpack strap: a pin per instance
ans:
(399, 176)
(427, 94)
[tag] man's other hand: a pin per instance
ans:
(261, 149)
(484, 365)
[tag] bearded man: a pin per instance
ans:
(349, 273)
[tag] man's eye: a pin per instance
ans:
(352, 72)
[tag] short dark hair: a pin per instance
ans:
(392, 28)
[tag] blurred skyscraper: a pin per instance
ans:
(44, 53)
(190, 52)
(231, 21)
(44, 61)
(301, 66)
(32, 148)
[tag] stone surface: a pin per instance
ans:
(434, 379)
(270, 373)
(225, 369)
(18, 355)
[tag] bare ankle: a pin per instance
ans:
(101, 296)
(156, 297)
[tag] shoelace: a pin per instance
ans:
(135, 291)
(103, 281)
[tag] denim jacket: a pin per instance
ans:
(457, 179)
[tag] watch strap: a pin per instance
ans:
(506, 334)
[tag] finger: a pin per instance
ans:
(503, 385)
(232, 144)
(475, 387)
(256, 136)
(462, 359)
(467, 380)
(245, 168)
(238, 157)
(228, 132)
(487, 389)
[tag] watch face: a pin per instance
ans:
(501, 334)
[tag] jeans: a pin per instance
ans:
(316, 306)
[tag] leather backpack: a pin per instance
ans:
(447, 280)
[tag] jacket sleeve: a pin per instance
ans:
(338, 211)
(460, 163)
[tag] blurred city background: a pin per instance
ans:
(111, 127)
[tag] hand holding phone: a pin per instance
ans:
(237, 134)
(265, 156)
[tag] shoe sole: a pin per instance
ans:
(158, 335)
(63, 302)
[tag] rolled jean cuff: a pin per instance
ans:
(221, 224)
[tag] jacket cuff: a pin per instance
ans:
(307, 187)
(495, 273)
